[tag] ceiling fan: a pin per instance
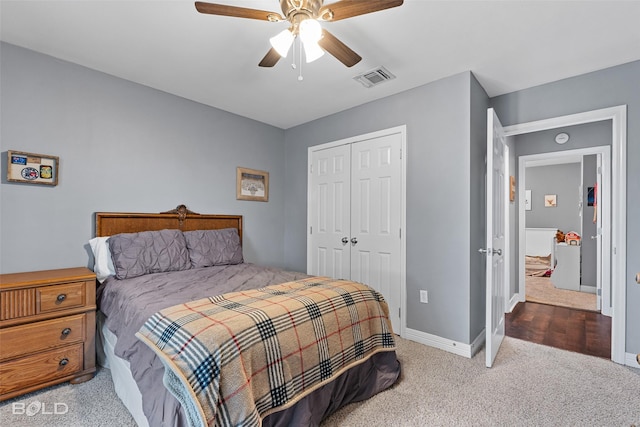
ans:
(304, 17)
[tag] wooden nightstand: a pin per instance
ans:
(47, 329)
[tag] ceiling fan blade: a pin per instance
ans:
(341, 51)
(238, 12)
(270, 59)
(350, 8)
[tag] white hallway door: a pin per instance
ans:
(355, 211)
(495, 238)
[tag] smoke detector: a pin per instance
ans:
(374, 77)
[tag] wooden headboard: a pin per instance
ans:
(110, 223)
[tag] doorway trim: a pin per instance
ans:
(618, 117)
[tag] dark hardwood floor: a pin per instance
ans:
(582, 331)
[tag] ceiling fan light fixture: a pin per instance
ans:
(310, 31)
(312, 51)
(282, 42)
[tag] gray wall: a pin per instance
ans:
(513, 223)
(441, 222)
(122, 147)
(564, 181)
(588, 264)
(586, 135)
(606, 88)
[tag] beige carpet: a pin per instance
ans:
(538, 287)
(529, 385)
(541, 290)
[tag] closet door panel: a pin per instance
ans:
(376, 217)
(329, 209)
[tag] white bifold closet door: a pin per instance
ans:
(355, 207)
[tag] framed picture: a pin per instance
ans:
(550, 201)
(32, 168)
(512, 188)
(252, 184)
(591, 196)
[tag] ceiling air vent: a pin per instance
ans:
(374, 77)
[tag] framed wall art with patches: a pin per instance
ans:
(31, 168)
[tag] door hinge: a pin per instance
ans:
(599, 170)
(401, 153)
(400, 233)
(599, 291)
(311, 230)
(311, 168)
(399, 312)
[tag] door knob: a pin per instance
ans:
(345, 240)
(490, 251)
(354, 241)
(594, 237)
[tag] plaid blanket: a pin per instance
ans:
(234, 358)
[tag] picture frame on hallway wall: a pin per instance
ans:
(31, 168)
(512, 188)
(550, 201)
(252, 184)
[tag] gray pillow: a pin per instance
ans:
(214, 247)
(136, 254)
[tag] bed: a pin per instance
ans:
(138, 293)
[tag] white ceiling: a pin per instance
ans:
(509, 45)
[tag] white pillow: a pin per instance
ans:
(103, 264)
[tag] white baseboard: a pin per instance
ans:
(630, 360)
(461, 349)
(470, 350)
(515, 299)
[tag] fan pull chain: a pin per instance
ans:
(300, 78)
(293, 54)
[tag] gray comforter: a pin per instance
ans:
(128, 303)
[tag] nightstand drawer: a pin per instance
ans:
(38, 336)
(60, 297)
(40, 368)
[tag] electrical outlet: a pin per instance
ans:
(424, 297)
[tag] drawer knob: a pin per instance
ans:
(61, 297)
(64, 362)
(66, 331)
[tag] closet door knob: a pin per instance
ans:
(345, 240)
(354, 241)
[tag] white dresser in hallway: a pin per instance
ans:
(566, 274)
